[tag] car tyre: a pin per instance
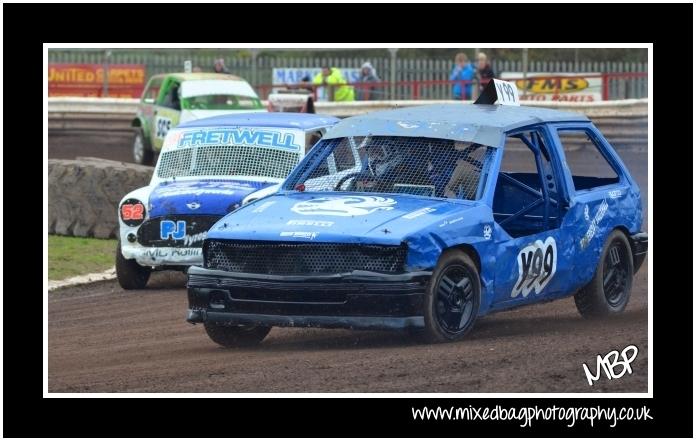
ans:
(236, 336)
(452, 298)
(130, 274)
(610, 289)
(142, 153)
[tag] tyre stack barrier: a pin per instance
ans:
(83, 194)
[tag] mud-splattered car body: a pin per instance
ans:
(208, 168)
(361, 250)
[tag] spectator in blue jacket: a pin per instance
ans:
(463, 70)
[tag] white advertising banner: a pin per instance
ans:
(562, 86)
(294, 75)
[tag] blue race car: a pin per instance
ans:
(207, 168)
(426, 218)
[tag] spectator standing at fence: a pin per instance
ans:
(484, 72)
(463, 71)
(368, 74)
(337, 87)
(220, 66)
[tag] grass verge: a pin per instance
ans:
(74, 256)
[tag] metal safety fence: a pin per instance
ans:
(430, 76)
(610, 86)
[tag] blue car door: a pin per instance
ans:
(602, 196)
(528, 268)
(529, 205)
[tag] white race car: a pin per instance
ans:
(207, 168)
(297, 100)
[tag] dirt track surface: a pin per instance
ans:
(103, 339)
(108, 145)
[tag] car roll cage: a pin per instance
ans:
(538, 148)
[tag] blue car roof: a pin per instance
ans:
(480, 123)
(303, 121)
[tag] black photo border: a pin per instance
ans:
(27, 413)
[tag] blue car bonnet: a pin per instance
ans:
(338, 217)
(201, 197)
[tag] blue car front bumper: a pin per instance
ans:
(355, 300)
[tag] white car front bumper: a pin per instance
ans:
(162, 256)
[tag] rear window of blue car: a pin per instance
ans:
(428, 167)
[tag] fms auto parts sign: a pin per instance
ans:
(566, 86)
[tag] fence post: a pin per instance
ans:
(575, 65)
(107, 56)
(476, 86)
(525, 68)
(392, 73)
(254, 57)
(605, 86)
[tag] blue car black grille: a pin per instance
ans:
(289, 258)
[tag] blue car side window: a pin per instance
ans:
(586, 159)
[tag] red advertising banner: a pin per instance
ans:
(69, 79)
